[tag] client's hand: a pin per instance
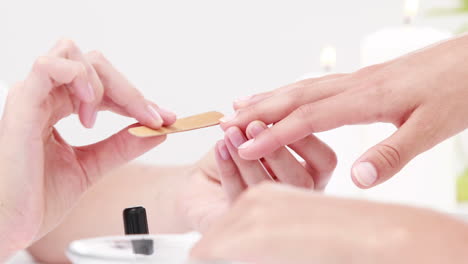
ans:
(41, 176)
(221, 176)
(274, 224)
(424, 94)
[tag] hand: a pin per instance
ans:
(222, 176)
(424, 94)
(237, 173)
(177, 199)
(41, 175)
(276, 224)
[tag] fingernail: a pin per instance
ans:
(256, 128)
(243, 99)
(90, 92)
(92, 121)
(365, 173)
(229, 118)
(247, 144)
(154, 115)
(235, 136)
(223, 151)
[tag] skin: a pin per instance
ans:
(423, 94)
(273, 223)
(42, 177)
(250, 231)
(177, 199)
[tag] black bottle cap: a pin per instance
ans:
(135, 221)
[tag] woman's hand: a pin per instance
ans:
(219, 178)
(181, 199)
(41, 175)
(424, 94)
(277, 224)
(237, 173)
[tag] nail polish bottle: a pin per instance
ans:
(136, 223)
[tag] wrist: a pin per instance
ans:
(171, 187)
(12, 240)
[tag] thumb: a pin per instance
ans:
(388, 157)
(120, 148)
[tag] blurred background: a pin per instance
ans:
(196, 56)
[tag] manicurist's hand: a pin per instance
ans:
(281, 166)
(277, 224)
(41, 175)
(424, 94)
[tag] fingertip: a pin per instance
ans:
(246, 153)
(87, 114)
(223, 126)
(222, 151)
(168, 116)
(255, 128)
(153, 118)
(227, 119)
(364, 174)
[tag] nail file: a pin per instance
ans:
(184, 124)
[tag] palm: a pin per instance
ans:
(56, 177)
(203, 199)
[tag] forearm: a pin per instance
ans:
(99, 212)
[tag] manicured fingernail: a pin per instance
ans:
(90, 92)
(226, 119)
(92, 121)
(154, 115)
(235, 136)
(223, 151)
(247, 144)
(243, 99)
(365, 173)
(256, 128)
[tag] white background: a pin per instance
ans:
(195, 56)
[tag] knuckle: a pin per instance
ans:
(296, 95)
(303, 111)
(251, 111)
(41, 63)
(96, 57)
(66, 42)
(67, 45)
(389, 156)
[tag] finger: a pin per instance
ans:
(98, 158)
(124, 95)
(231, 180)
(282, 163)
(252, 171)
(324, 115)
(320, 159)
(87, 112)
(47, 73)
(277, 107)
(250, 100)
(388, 157)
